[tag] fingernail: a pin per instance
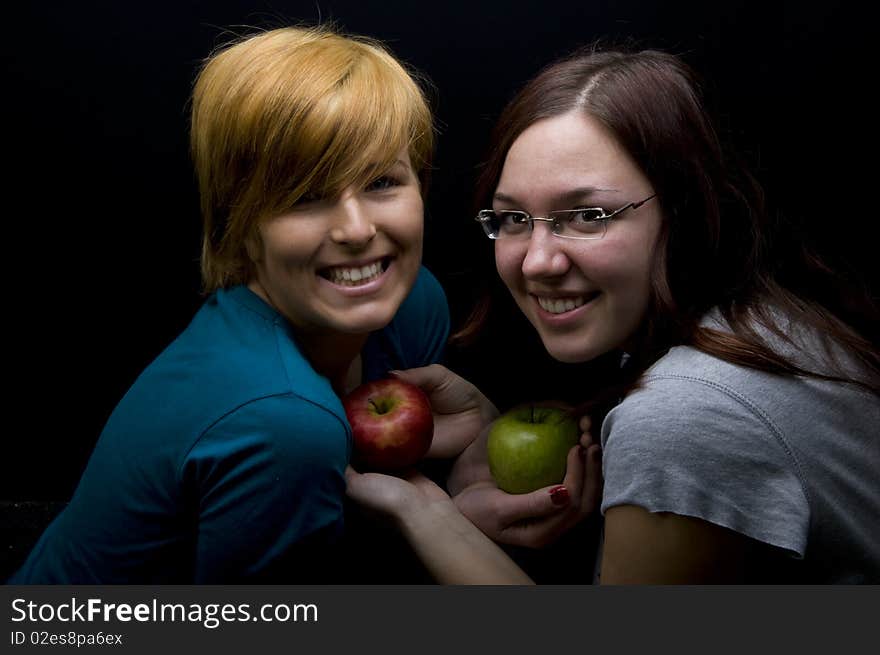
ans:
(559, 495)
(395, 373)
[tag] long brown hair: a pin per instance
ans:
(715, 247)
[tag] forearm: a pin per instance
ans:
(454, 551)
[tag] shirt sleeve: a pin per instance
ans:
(265, 480)
(695, 448)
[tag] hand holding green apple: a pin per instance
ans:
(528, 447)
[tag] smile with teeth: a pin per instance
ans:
(561, 305)
(353, 276)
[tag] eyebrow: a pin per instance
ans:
(570, 196)
(376, 169)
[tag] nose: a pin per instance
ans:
(545, 256)
(351, 224)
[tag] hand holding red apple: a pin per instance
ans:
(460, 410)
(391, 422)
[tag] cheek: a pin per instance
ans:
(602, 262)
(618, 263)
(416, 234)
(405, 220)
(508, 262)
(285, 250)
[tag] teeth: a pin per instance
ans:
(560, 305)
(355, 276)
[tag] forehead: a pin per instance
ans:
(572, 151)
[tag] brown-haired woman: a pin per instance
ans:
(744, 446)
(225, 460)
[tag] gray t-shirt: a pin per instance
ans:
(793, 462)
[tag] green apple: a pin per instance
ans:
(528, 447)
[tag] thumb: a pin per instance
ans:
(428, 378)
(353, 482)
(543, 502)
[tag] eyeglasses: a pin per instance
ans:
(583, 223)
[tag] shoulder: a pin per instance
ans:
(233, 336)
(690, 398)
(279, 441)
(697, 439)
(702, 380)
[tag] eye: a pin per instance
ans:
(383, 183)
(511, 218)
(309, 197)
(587, 215)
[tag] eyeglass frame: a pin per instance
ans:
(605, 219)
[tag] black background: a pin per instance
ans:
(101, 209)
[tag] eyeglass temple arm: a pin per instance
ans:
(638, 204)
(631, 205)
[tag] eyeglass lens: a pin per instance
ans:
(569, 223)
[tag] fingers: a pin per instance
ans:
(585, 424)
(583, 482)
(537, 504)
(350, 476)
(354, 484)
(591, 494)
(574, 473)
(429, 378)
(583, 477)
(587, 439)
(591, 456)
(551, 500)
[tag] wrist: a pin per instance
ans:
(426, 516)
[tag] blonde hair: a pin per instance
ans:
(291, 112)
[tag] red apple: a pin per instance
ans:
(391, 423)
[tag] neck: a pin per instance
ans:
(334, 355)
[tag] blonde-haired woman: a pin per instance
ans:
(225, 460)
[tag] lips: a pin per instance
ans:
(562, 304)
(355, 275)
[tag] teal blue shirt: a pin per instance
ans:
(225, 460)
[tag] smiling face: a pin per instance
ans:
(584, 297)
(343, 265)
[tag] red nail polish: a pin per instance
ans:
(559, 495)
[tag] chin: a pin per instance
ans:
(567, 356)
(365, 320)
(572, 350)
